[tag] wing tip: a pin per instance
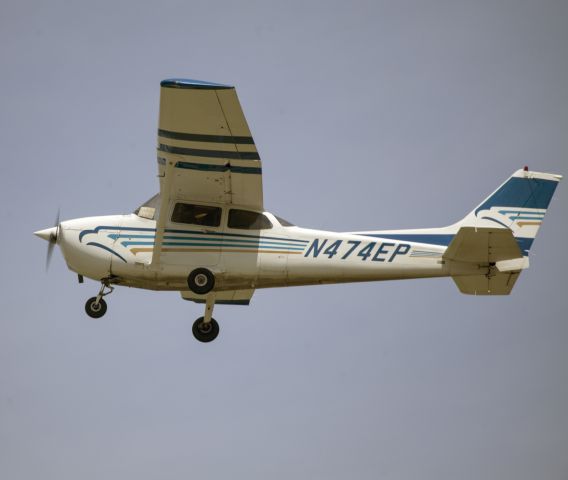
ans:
(190, 83)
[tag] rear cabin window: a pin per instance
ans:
(247, 220)
(197, 215)
(149, 208)
(284, 223)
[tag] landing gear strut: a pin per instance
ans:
(96, 307)
(205, 329)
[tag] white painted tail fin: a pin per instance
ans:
(519, 205)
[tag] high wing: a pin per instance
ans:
(204, 137)
(205, 150)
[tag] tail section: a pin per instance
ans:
(492, 243)
(486, 251)
(519, 205)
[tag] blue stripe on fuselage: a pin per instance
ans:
(440, 239)
(430, 238)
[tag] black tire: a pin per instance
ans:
(94, 310)
(205, 332)
(201, 281)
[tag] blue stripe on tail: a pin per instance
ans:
(523, 193)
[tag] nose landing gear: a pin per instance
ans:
(96, 307)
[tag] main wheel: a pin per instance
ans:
(94, 309)
(205, 332)
(201, 281)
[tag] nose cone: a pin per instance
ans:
(49, 234)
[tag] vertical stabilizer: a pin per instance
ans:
(519, 205)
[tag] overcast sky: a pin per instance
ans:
(367, 115)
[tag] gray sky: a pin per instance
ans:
(367, 115)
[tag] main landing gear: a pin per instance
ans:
(96, 307)
(202, 281)
(205, 328)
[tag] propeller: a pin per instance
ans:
(52, 239)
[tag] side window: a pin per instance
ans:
(247, 220)
(284, 223)
(149, 208)
(197, 215)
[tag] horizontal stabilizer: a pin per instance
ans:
(229, 297)
(493, 283)
(493, 251)
(483, 245)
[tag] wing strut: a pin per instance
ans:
(166, 181)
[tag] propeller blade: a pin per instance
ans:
(52, 241)
(57, 222)
(50, 248)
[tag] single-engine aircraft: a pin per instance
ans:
(207, 235)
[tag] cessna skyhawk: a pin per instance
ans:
(208, 236)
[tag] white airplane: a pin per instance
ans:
(207, 235)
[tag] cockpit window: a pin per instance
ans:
(247, 220)
(197, 215)
(150, 208)
(284, 223)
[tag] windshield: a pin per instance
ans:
(149, 209)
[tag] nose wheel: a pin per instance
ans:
(96, 307)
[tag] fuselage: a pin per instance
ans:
(120, 247)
